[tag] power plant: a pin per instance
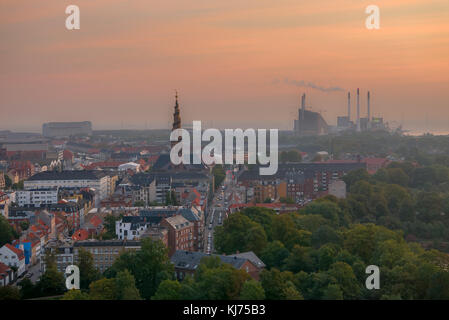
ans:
(312, 123)
(361, 123)
(309, 123)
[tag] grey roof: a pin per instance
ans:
(107, 243)
(68, 175)
(158, 212)
(189, 215)
(142, 179)
(164, 163)
(190, 260)
(302, 170)
(251, 256)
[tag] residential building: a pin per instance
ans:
(105, 252)
(186, 263)
(180, 233)
(6, 275)
(37, 197)
(13, 257)
(70, 179)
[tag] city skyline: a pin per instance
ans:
(235, 64)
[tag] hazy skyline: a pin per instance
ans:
(235, 63)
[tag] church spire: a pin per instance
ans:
(176, 114)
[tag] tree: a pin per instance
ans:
(263, 216)
(346, 279)
(252, 290)
(239, 233)
(215, 280)
(9, 293)
(27, 289)
(300, 259)
(126, 286)
(149, 266)
(168, 290)
(285, 231)
(279, 285)
(6, 231)
(438, 288)
(24, 225)
(8, 182)
(75, 295)
(103, 289)
(398, 176)
(109, 225)
(88, 272)
(354, 176)
(332, 292)
(274, 255)
(52, 281)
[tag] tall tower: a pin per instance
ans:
(349, 106)
(176, 114)
(369, 111)
(176, 117)
(358, 110)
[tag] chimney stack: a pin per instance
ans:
(303, 102)
(369, 109)
(358, 110)
(349, 106)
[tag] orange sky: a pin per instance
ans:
(234, 62)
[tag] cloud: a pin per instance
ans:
(305, 84)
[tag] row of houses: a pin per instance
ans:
(179, 227)
(298, 181)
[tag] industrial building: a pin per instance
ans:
(361, 123)
(66, 129)
(309, 122)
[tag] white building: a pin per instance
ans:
(130, 228)
(36, 197)
(13, 257)
(70, 179)
(129, 166)
(337, 188)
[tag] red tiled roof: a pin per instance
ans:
(18, 252)
(95, 221)
(80, 234)
(3, 270)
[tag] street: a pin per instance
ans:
(224, 197)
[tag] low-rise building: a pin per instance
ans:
(104, 252)
(180, 233)
(13, 257)
(6, 275)
(94, 179)
(37, 197)
(186, 263)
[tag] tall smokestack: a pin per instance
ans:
(369, 109)
(358, 110)
(349, 106)
(303, 107)
(303, 102)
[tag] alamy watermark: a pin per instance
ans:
(73, 20)
(212, 153)
(373, 281)
(72, 280)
